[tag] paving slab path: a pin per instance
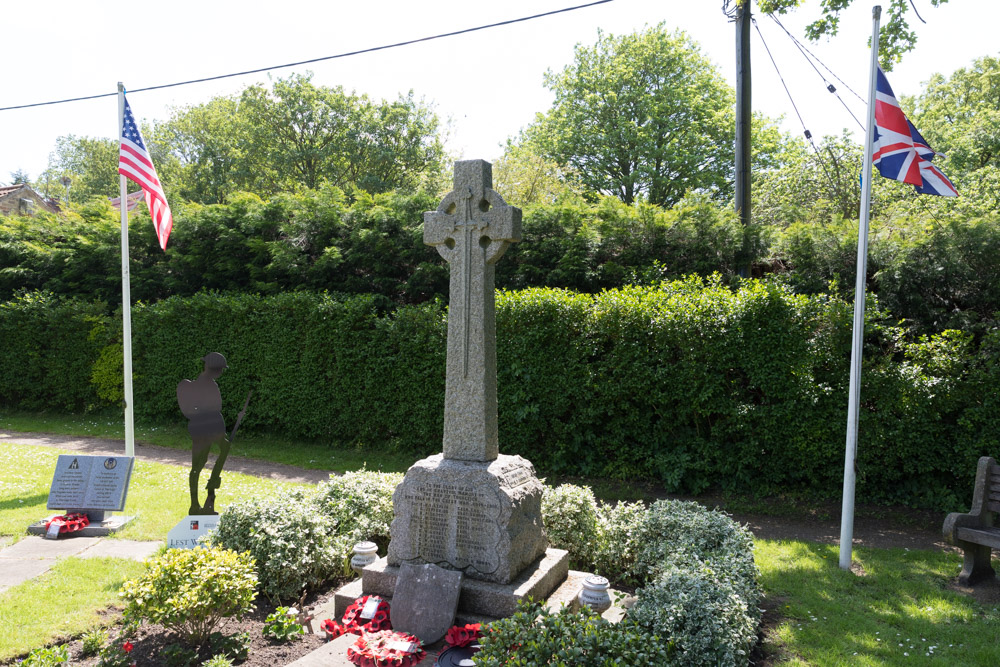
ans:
(35, 555)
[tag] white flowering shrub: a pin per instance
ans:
(684, 534)
(701, 590)
(571, 520)
(708, 622)
(359, 507)
(287, 537)
(617, 545)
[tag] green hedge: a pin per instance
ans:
(689, 384)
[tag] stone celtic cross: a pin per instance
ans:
(471, 229)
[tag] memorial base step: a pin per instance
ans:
(548, 579)
(110, 525)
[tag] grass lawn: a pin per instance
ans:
(66, 601)
(899, 613)
(304, 454)
(158, 494)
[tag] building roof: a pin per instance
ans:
(9, 189)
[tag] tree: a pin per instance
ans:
(206, 140)
(91, 163)
(644, 115)
(895, 36)
(18, 177)
(298, 135)
(960, 115)
(524, 176)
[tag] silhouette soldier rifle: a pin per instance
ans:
(201, 402)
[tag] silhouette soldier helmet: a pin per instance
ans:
(215, 362)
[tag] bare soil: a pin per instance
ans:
(150, 640)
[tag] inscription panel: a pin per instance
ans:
(90, 482)
(453, 523)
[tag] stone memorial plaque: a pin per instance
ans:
(90, 482)
(483, 518)
(185, 534)
(425, 601)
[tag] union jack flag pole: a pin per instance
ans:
(126, 296)
(850, 456)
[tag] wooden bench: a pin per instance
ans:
(974, 532)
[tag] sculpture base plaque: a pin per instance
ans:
(185, 535)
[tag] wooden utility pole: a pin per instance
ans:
(743, 114)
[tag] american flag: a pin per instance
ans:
(900, 153)
(135, 164)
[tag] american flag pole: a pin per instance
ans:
(126, 296)
(850, 455)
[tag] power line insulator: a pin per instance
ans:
(809, 135)
(831, 87)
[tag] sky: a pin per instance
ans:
(486, 85)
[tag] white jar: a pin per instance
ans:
(595, 594)
(365, 553)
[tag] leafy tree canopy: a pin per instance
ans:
(644, 115)
(298, 135)
(895, 35)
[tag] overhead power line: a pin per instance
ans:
(316, 60)
(812, 56)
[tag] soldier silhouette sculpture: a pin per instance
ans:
(201, 402)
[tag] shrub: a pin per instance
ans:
(93, 641)
(691, 383)
(178, 655)
(535, 636)
(616, 549)
(49, 656)
(116, 655)
(706, 620)
(285, 536)
(190, 591)
(218, 661)
(571, 521)
(50, 344)
(359, 507)
(235, 646)
(283, 625)
(676, 533)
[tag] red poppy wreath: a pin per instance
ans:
(386, 649)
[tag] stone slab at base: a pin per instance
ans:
(564, 595)
(110, 525)
(479, 598)
(334, 654)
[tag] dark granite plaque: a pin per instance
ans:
(90, 482)
(425, 601)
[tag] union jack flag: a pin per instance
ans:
(900, 152)
(135, 164)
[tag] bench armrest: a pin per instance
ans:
(957, 520)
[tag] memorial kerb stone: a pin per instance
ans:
(425, 601)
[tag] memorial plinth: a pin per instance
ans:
(483, 518)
